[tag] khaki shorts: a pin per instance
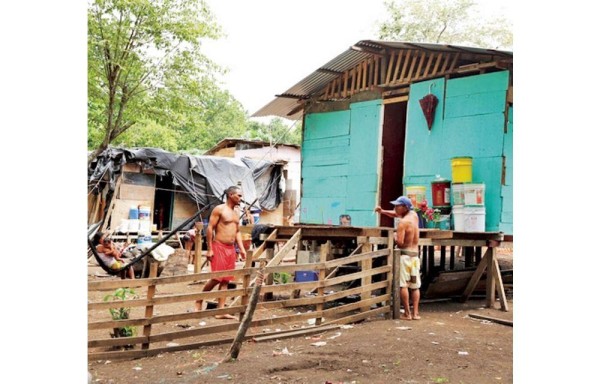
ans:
(410, 266)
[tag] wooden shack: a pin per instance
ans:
(366, 136)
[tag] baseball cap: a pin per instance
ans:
(403, 200)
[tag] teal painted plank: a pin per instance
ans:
(507, 217)
(475, 104)
(422, 145)
(507, 197)
(336, 142)
(509, 176)
(365, 136)
(361, 201)
(475, 136)
(506, 228)
(362, 218)
(335, 158)
(328, 124)
(324, 186)
(321, 210)
(363, 183)
(324, 170)
(497, 81)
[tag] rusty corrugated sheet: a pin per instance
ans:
(286, 104)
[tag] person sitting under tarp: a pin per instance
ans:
(110, 255)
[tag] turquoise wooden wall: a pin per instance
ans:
(469, 121)
(506, 220)
(340, 157)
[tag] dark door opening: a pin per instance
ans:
(393, 138)
(163, 202)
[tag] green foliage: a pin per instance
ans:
(146, 70)
(282, 278)
(276, 131)
(445, 22)
(122, 313)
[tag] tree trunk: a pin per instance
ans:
(234, 351)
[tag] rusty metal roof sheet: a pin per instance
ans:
(287, 104)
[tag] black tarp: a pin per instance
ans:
(205, 178)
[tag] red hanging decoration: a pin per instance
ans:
(428, 104)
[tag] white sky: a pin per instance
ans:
(270, 45)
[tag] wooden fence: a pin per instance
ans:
(355, 270)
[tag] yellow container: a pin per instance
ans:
(462, 169)
(416, 194)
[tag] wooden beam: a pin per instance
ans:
(390, 65)
(493, 319)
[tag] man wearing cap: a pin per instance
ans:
(407, 239)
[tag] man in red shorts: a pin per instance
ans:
(221, 253)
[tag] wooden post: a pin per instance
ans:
(269, 253)
(247, 319)
(452, 257)
(391, 277)
(198, 246)
(443, 258)
(366, 265)
(150, 296)
(325, 249)
(396, 285)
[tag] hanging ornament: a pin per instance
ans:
(428, 104)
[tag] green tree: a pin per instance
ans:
(457, 22)
(146, 67)
(276, 131)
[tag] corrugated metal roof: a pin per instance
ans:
(286, 104)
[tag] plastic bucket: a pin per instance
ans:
(416, 194)
(462, 169)
(440, 192)
(474, 219)
(458, 194)
(133, 213)
(144, 213)
(458, 218)
(474, 194)
(134, 225)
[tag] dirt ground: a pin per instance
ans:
(445, 346)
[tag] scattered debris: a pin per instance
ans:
(463, 353)
(337, 334)
(404, 328)
(319, 343)
(172, 344)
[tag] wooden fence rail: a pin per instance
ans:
(160, 315)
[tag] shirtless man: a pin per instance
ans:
(407, 239)
(225, 222)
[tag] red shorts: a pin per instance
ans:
(224, 257)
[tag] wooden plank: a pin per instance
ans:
(493, 319)
(398, 62)
(150, 308)
(495, 272)
(391, 64)
(474, 279)
(446, 61)
(413, 63)
(396, 285)
(345, 94)
(301, 332)
(360, 316)
(421, 61)
(454, 61)
(428, 66)
(256, 254)
(437, 63)
(376, 81)
(398, 99)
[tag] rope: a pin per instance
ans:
(113, 272)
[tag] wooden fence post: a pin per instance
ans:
(366, 265)
(396, 284)
(198, 246)
(150, 296)
(325, 249)
(391, 277)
